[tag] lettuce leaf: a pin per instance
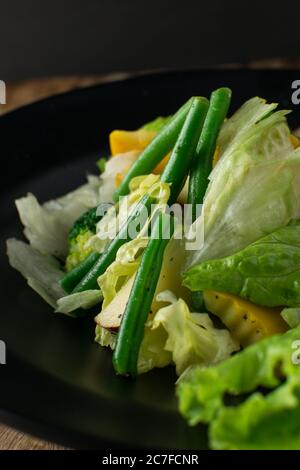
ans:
(47, 226)
(85, 300)
(191, 337)
(116, 165)
(267, 272)
(117, 215)
(254, 188)
(43, 273)
(157, 124)
(264, 382)
(291, 316)
(176, 336)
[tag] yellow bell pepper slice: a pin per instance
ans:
(246, 321)
(125, 141)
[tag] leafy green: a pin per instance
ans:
(80, 300)
(47, 225)
(291, 316)
(42, 272)
(174, 335)
(101, 164)
(267, 418)
(254, 188)
(267, 272)
(157, 124)
(114, 167)
(191, 337)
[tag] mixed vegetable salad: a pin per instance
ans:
(225, 312)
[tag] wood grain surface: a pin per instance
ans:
(10, 439)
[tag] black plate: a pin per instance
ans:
(57, 382)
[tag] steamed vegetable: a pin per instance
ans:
(82, 230)
(179, 164)
(71, 304)
(202, 164)
(71, 279)
(145, 283)
(113, 232)
(89, 281)
(192, 337)
(246, 321)
(137, 309)
(267, 272)
(156, 150)
(121, 141)
(254, 188)
(175, 335)
(115, 169)
(47, 226)
(174, 176)
(291, 316)
(41, 271)
(252, 419)
(116, 282)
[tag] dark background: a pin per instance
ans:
(46, 38)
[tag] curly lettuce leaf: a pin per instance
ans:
(42, 272)
(80, 300)
(174, 335)
(267, 272)
(264, 382)
(291, 316)
(191, 337)
(115, 167)
(47, 226)
(254, 188)
(117, 215)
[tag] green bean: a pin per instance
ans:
(89, 281)
(155, 151)
(71, 279)
(202, 163)
(178, 166)
(131, 330)
(175, 174)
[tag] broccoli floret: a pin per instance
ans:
(83, 229)
(86, 221)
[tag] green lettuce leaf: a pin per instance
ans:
(263, 383)
(42, 272)
(191, 337)
(174, 335)
(85, 300)
(291, 316)
(267, 272)
(47, 226)
(254, 188)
